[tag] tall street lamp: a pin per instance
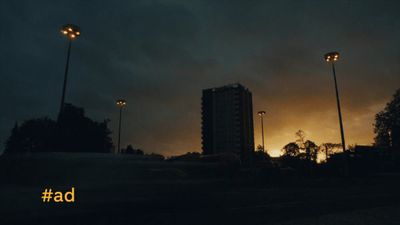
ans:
(261, 114)
(121, 103)
(71, 32)
(390, 137)
(332, 57)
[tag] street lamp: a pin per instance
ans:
(71, 32)
(261, 114)
(121, 103)
(332, 57)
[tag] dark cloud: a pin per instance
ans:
(159, 55)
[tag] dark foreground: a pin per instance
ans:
(123, 190)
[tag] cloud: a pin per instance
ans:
(159, 55)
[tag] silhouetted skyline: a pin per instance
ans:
(159, 56)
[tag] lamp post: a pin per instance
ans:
(261, 114)
(71, 32)
(332, 57)
(121, 103)
(390, 137)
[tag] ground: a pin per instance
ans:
(125, 190)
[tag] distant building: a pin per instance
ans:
(227, 121)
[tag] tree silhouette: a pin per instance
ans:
(291, 149)
(78, 133)
(311, 150)
(74, 132)
(300, 134)
(301, 148)
(261, 155)
(32, 136)
(329, 148)
(387, 123)
(130, 150)
(189, 156)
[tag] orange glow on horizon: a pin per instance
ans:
(275, 153)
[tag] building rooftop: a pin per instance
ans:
(228, 86)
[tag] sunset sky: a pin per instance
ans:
(159, 55)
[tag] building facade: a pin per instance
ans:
(227, 121)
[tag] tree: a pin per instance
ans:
(291, 149)
(301, 148)
(189, 156)
(78, 133)
(74, 132)
(330, 148)
(32, 136)
(139, 151)
(155, 156)
(311, 150)
(300, 138)
(130, 150)
(260, 155)
(387, 123)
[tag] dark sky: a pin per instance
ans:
(159, 55)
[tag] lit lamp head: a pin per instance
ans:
(261, 113)
(71, 31)
(121, 103)
(331, 56)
